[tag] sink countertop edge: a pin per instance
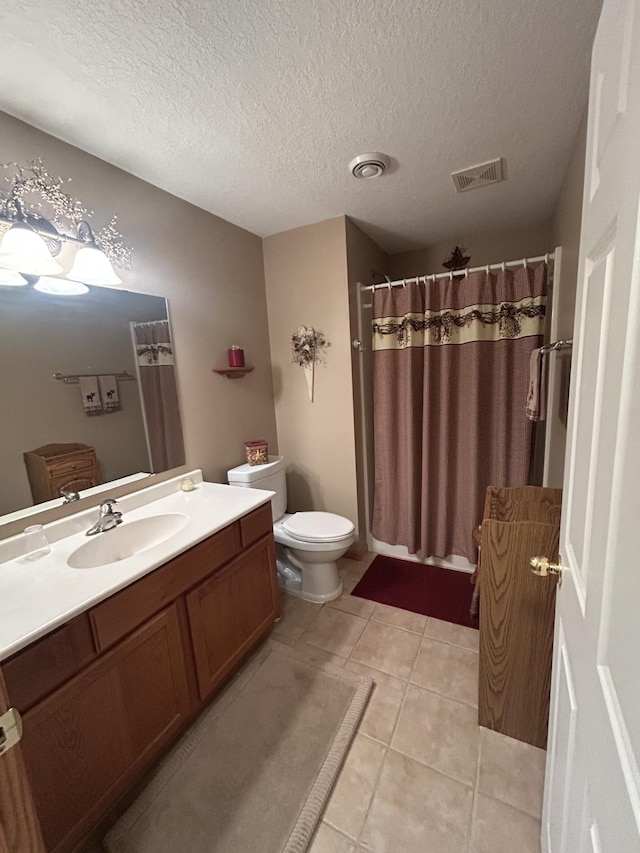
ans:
(62, 592)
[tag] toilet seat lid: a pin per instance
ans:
(318, 526)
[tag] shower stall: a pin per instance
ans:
(445, 366)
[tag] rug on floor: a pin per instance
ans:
(255, 771)
(430, 590)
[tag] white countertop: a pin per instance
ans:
(40, 595)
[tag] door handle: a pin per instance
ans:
(543, 567)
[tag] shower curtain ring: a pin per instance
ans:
(487, 269)
(546, 257)
(524, 262)
(404, 283)
(450, 275)
(466, 272)
(504, 267)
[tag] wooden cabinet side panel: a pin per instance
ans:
(19, 825)
(231, 611)
(516, 630)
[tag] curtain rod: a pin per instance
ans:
(402, 282)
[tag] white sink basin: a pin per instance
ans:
(127, 539)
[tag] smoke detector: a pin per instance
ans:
(369, 165)
(478, 176)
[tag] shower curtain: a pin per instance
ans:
(450, 377)
(154, 353)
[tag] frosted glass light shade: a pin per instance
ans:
(60, 287)
(10, 278)
(22, 250)
(91, 266)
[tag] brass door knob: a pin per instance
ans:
(542, 567)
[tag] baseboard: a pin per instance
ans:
(357, 552)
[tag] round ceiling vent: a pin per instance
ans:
(369, 165)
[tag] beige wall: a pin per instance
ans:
(565, 232)
(306, 282)
(487, 248)
(364, 259)
(212, 273)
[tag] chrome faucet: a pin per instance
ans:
(107, 518)
(69, 496)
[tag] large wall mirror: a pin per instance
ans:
(105, 332)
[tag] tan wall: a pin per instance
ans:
(565, 232)
(212, 273)
(488, 248)
(364, 258)
(306, 282)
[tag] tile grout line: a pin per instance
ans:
(476, 791)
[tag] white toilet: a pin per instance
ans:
(308, 543)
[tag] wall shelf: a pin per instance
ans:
(232, 372)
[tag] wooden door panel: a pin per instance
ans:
(516, 630)
(230, 611)
(88, 741)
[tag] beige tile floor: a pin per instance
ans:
(421, 775)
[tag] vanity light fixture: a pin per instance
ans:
(33, 240)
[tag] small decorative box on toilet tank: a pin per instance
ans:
(257, 452)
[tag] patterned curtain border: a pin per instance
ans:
(476, 322)
(154, 355)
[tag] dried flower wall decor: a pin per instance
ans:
(307, 347)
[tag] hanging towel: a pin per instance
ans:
(90, 394)
(536, 408)
(109, 392)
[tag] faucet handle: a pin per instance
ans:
(108, 503)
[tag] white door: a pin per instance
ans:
(592, 790)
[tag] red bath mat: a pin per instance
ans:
(441, 593)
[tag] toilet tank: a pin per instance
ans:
(270, 477)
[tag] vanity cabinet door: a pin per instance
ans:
(91, 739)
(231, 611)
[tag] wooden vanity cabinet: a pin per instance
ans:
(107, 692)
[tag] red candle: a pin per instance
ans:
(236, 357)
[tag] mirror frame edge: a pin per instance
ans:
(13, 528)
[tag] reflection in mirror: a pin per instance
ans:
(110, 426)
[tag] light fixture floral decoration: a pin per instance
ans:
(307, 347)
(31, 187)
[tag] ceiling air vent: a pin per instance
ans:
(478, 176)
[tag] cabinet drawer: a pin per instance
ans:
(121, 613)
(43, 666)
(85, 479)
(256, 524)
(58, 469)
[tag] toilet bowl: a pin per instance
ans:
(308, 544)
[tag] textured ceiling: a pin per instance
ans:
(252, 109)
